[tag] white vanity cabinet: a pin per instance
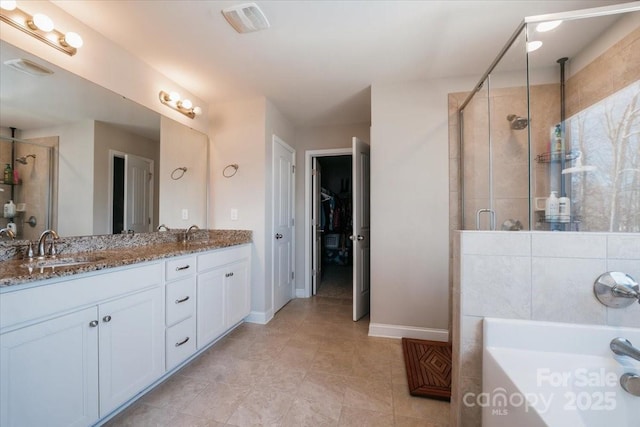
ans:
(73, 351)
(223, 291)
(180, 291)
(49, 372)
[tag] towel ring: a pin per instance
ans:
(232, 173)
(176, 176)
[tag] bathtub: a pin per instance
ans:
(554, 374)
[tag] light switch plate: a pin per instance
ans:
(234, 214)
(185, 213)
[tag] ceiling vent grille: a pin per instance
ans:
(246, 18)
(28, 67)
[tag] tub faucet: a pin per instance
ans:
(623, 347)
(43, 239)
(189, 230)
(8, 232)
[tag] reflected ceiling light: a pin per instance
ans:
(543, 27)
(534, 45)
(185, 106)
(39, 26)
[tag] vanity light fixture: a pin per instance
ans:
(185, 106)
(39, 26)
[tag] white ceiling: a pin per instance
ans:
(319, 58)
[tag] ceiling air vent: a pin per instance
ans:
(245, 18)
(28, 67)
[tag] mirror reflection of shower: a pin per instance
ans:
(517, 122)
(23, 160)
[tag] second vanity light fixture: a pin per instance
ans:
(185, 106)
(39, 26)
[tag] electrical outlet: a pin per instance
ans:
(185, 213)
(234, 214)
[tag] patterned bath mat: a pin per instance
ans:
(428, 365)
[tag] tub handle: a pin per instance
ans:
(630, 383)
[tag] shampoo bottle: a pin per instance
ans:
(552, 207)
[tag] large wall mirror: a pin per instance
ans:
(84, 160)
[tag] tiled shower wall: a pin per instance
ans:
(529, 275)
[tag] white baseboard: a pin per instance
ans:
(260, 317)
(301, 293)
(400, 331)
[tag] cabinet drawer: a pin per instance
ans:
(221, 257)
(181, 342)
(181, 300)
(180, 267)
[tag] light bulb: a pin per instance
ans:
(73, 39)
(197, 111)
(547, 26)
(186, 104)
(43, 22)
(8, 4)
(534, 45)
(174, 96)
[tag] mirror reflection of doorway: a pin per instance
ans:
(131, 193)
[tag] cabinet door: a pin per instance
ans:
(237, 293)
(210, 306)
(131, 346)
(49, 372)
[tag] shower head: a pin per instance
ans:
(517, 122)
(23, 159)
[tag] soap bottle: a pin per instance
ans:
(12, 226)
(564, 209)
(8, 174)
(557, 146)
(552, 207)
(9, 209)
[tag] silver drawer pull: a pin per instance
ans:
(184, 267)
(178, 301)
(93, 323)
(178, 344)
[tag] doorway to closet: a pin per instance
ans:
(332, 218)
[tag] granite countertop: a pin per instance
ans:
(102, 252)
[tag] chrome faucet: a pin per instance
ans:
(42, 242)
(8, 232)
(188, 231)
(161, 226)
(623, 347)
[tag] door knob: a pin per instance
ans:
(278, 236)
(358, 237)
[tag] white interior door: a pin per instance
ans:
(316, 226)
(361, 228)
(283, 193)
(138, 178)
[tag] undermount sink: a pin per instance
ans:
(62, 261)
(196, 242)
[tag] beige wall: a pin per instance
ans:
(108, 137)
(409, 208)
(181, 146)
(75, 175)
(242, 134)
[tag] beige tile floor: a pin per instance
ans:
(310, 366)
